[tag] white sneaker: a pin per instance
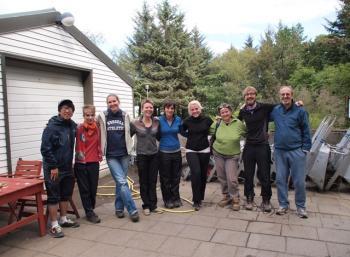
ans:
(301, 212)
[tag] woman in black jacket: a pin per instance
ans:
(196, 128)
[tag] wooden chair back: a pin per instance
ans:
(26, 168)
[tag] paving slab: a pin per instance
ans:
(130, 252)
(334, 235)
(243, 215)
(18, 252)
(197, 232)
(299, 231)
(307, 247)
(232, 224)
(116, 237)
(70, 247)
(244, 252)
(335, 222)
(201, 220)
(230, 237)
(167, 228)
(264, 228)
(207, 249)
(267, 242)
(179, 246)
(338, 250)
(99, 249)
(146, 241)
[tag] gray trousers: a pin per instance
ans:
(227, 171)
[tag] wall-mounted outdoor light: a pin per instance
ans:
(66, 19)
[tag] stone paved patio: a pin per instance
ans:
(212, 231)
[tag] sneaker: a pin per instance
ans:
(119, 214)
(301, 212)
(177, 203)
(196, 206)
(93, 218)
(70, 224)
(266, 206)
(146, 212)
(56, 232)
(235, 204)
(281, 211)
(169, 205)
(249, 203)
(135, 217)
(225, 201)
(157, 210)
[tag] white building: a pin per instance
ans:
(42, 62)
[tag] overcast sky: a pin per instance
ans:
(222, 22)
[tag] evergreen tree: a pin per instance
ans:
(164, 55)
(249, 42)
(341, 26)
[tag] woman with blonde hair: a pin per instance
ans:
(196, 128)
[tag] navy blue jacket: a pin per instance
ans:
(169, 140)
(292, 130)
(57, 144)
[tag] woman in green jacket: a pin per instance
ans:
(226, 150)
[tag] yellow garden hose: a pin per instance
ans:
(136, 195)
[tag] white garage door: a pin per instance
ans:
(33, 93)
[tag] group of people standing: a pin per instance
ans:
(110, 135)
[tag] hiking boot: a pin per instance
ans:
(157, 210)
(146, 212)
(69, 224)
(93, 218)
(135, 217)
(119, 214)
(56, 231)
(196, 206)
(249, 203)
(282, 211)
(235, 204)
(301, 212)
(225, 201)
(177, 203)
(266, 205)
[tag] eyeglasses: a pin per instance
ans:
(224, 105)
(249, 94)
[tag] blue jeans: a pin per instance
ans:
(291, 163)
(119, 171)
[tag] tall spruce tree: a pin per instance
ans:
(164, 55)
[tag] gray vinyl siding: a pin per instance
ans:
(53, 44)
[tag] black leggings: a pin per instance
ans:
(198, 163)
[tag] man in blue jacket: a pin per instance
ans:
(57, 145)
(292, 142)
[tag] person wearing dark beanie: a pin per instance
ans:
(57, 146)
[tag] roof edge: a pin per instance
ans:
(18, 21)
(84, 40)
